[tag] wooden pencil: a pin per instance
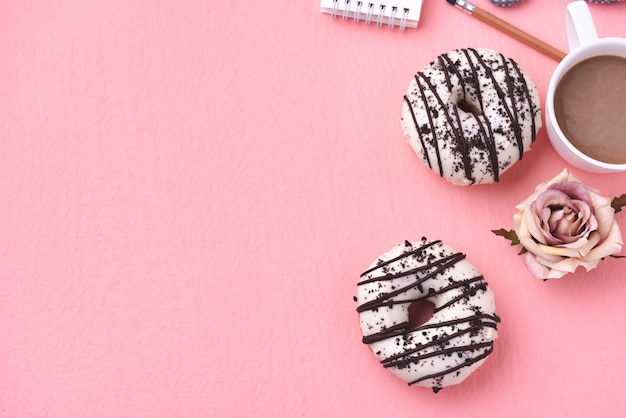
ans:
(509, 29)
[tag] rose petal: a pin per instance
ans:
(557, 219)
(573, 225)
(551, 197)
(532, 247)
(534, 226)
(604, 213)
(574, 190)
(556, 274)
(569, 265)
(562, 176)
(612, 244)
(542, 269)
(563, 226)
(520, 226)
(580, 243)
(536, 269)
(586, 246)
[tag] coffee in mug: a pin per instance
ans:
(586, 98)
(590, 107)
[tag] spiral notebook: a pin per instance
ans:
(391, 13)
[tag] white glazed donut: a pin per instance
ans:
(459, 336)
(470, 115)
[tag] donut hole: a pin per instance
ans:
(420, 311)
(469, 107)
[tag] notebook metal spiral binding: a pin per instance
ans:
(367, 11)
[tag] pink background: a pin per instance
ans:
(190, 190)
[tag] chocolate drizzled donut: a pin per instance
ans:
(455, 341)
(470, 115)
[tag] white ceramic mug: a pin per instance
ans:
(583, 44)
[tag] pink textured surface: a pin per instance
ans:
(190, 191)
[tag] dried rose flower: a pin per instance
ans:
(563, 225)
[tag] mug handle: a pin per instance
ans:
(580, 26)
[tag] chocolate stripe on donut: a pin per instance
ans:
(494, 318)
(395, 360)
(502, 96)
(468, 362)
(383, 300)
(511, 90)
(458, 349)
(460, 141)
(398, 329)
(403, 328)
(389, 276)
(446, 74)
(431, 291)
(404, 255)
(490, 145)
(487, 134)
(526, 92)
(474, 79)
(469, 291)
(421, 136)
(439, 342)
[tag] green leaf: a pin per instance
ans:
(618, 202)
(510, 235)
